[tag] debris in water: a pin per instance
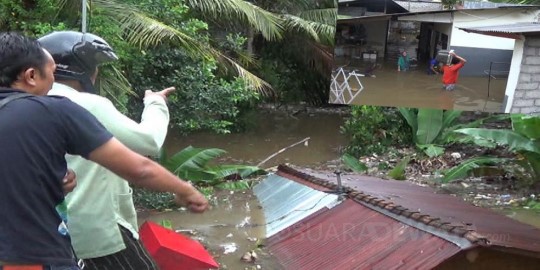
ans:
(229, 235)
(252, 239)
(229, 248)
(249, 256)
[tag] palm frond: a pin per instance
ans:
(314, 55)
(144, 31)
(324, 15)
(251, 79)
(317, 31)
(265, 22)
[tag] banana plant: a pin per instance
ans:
(432, 129)
(195, 165)
(522, 140)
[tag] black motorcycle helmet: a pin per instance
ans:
(77, 55)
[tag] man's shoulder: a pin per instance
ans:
(86, 100)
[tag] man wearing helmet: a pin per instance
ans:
(36, 132)
(102, 217)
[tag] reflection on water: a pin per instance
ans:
(272, 132)
(233, 226)
(417, 89)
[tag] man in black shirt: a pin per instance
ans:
(35, 134)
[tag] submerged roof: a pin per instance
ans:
(286, 202)
(506, 30)
(382, 222)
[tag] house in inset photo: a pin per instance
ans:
(372, 35)
(523, 87)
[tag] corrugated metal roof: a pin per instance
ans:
(286, 202)
(440, 211)
(417, 6)
(384, 16)
(352, 236)
(516, 28)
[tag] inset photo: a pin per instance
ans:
(469, 56)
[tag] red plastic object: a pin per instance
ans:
(174, 251)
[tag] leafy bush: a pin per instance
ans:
(374, 129)
(202, 101)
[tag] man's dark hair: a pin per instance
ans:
(18, 53)
(455, 60)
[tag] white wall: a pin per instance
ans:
(471, 18)
(513, 76)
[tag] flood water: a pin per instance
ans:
(415, 88)
(233, 226)
(271, 133)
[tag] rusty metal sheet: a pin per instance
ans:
(500, 230)
(351, 236)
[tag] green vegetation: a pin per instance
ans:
(197, 165)
(373, 129)
(194, 164)
(522, 140)
(217, 53)
(432, 129)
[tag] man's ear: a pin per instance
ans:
(29, 76)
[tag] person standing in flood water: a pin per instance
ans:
(451, 71)
(36, 132)
(404, 62)
(101, 213)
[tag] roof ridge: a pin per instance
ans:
(461, 231)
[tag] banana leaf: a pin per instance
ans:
(528, 126)
(512, 139)
(449, 135)
(243, 171)
(353, 163)
(430, 123)
(236, 185)
(431, 150)
(449, 117)
(190, 162)
(410, 116)
(463, 170)
(534, 162)
(398, 172)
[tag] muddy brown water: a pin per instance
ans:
(233, 226)
(271, 133)
(235, 223)
(415, 88)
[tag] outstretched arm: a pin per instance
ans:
(146, 173)
(145, 137)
